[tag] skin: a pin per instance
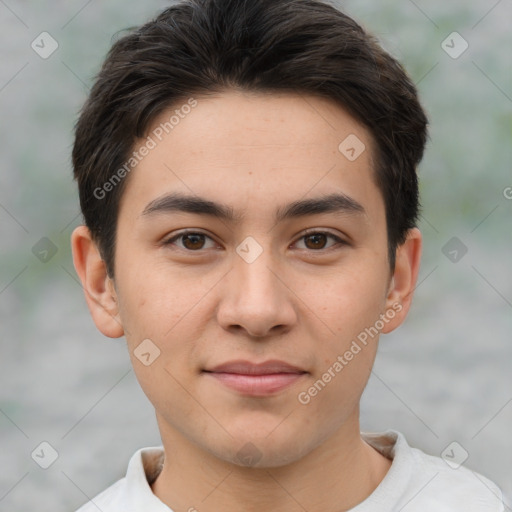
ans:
(296, 302)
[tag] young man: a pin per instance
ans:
(247, 175)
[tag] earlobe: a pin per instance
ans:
(98, 286)
(403, 281)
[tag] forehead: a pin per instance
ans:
(254, 148)
(270, 121)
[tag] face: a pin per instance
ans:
(248, 236)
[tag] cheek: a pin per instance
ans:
(349, 302)
(349, 308)
(159, 327)
(169, 313)
(151, 303)
(345, 353)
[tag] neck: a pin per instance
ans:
(337, 475)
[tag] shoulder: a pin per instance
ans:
(417, 481)
(106, 500)
(455, 486)
(133, 492)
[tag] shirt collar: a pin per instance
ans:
(146, 464)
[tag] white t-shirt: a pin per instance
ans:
(415, 482)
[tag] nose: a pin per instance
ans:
(256, 298)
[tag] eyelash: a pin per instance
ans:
(337, 239)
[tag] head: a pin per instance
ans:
(286, 141)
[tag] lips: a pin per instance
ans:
(247, 368)
(256, 379)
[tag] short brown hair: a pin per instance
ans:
(197, 47)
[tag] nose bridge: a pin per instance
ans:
(255, 266)
(255, 298)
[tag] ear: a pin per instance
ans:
(98, 286)
(403, 280)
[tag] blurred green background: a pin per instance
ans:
(444, 376)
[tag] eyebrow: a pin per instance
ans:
(336, 203)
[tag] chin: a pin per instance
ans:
(251, 448)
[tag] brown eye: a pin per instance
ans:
(193, 241)
(317, 240)
(190, 241)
